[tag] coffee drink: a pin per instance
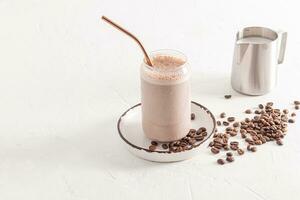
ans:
(166, 103)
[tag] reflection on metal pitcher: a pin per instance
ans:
(257, 53)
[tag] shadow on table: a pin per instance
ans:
(216, 85)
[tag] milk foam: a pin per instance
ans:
(165, 69)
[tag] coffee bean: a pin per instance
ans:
(226, 147)
(201, 129)
(193, 130)
(231, 119)
(211, 144)
(297, 102)
(291, 121)
(179, 149)
(270, 104)
(218, 146)
(243, 131)
(297, 107)
(223, 115)
(250, 141)
(220, 161)
(229, 154)
(248, 111)
(254, 137)
(257, 112)
(253, 149)
(165, 146)
(234, 143)
(183, 143)
(215, 150)
(243, 135)
(263, 140)
(279, 142)
(258, 142)
(154, 143)
(192, 141)
(234, 147)
(218, 138)
(229, 129)
(230, 159)
(219, 123)
(172, 149)
(232, 133)
(152, 147)
(226, 136)
(293, 114)
(285, 111)
(199, 138)
(192, 134)
(249, 147)
(199, 134)
(171, 144)
(240, 151)
(187, 148)
(225, 123)
(284, 118)
(228, 96)
(177, 143)
(193, 116)
(260, 106)
(236, 124)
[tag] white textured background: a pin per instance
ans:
(65, 77)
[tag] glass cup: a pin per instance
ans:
(166, 101)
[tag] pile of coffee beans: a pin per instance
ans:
(268, 124)
(220, 141)
(191, 140)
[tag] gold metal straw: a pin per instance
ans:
(130, 35)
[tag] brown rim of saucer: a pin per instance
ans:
(158, 151)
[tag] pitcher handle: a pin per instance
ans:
(282, 44)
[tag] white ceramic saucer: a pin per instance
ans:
(131, 133)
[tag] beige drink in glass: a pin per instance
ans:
(166, 102)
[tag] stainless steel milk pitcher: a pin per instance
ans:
(257, 52)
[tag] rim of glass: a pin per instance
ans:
(170, 52)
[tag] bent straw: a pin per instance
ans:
(130, 35)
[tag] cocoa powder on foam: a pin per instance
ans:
(167, 62)
(165, 66)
